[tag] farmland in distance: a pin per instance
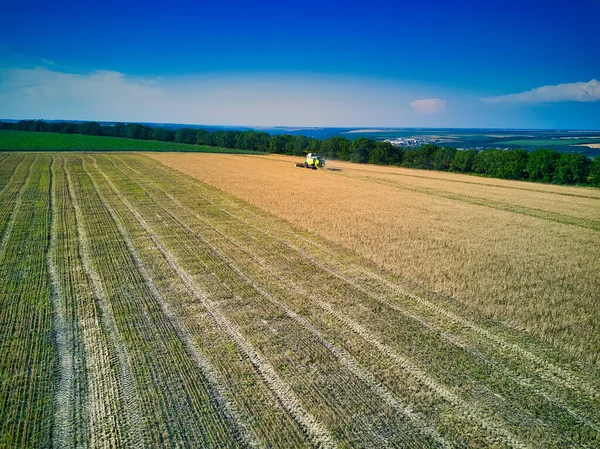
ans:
(47, 141)
(140, 307)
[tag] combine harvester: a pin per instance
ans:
(312, 161)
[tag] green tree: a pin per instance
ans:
(361, 149)
(186, 135)
(68, 128)
(204, 137)
(334, 147)
(40, 126)
(134, 131)
(120, 130)
(247, 140)
(225, 139)
(25, 125)
(384, 153)
(279, 143)
(90, 129)
(299, 145)
(251, 140)
(52, 127)
(344, 150)
(163, 134)
(442, 158)
(512, 164)
(486, 162)
(314, 146)
(421, 157)
(463, 161)
(572, 168)
(542, 165)
(263, 141)
(507, 164)
(594, 176)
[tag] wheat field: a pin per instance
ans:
(140, 307)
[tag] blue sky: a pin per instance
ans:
(526, 64)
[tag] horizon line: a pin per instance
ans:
(255, 127)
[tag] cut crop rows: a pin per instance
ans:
(166, 395)
(286, 344)
(26, 344)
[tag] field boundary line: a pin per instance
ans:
(126, 381)
(471, 175)
(62, 436)
(214, 379)
(315, 430)
(561, 375)
(332, 311)
(459, 342)
(545, 376)
(403, 362)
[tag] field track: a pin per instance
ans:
(142, 308)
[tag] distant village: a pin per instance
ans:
(410, 142)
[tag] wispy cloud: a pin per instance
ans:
(250, 99)
(429, 105)
(581, 91)
(48, 62)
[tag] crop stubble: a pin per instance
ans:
(26, 351)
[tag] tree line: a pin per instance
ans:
(541, 165)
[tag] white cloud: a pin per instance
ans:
(220, 99)
(581, 91)
(45, 93)
(252, 99)
(429, 105)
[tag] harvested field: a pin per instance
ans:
(142, 308)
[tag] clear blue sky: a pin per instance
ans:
(525, 64)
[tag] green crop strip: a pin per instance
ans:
(25, 141)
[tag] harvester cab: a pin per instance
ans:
(313, 161)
